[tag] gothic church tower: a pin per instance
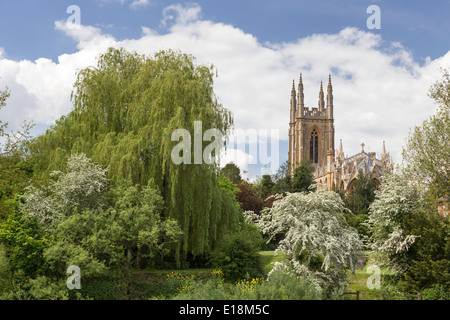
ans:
(311, 131)
(311, 137)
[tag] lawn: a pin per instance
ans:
(268, 259)
(358, 282)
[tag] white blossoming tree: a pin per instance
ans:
(318, 243)
(81, 187)
(389, 243)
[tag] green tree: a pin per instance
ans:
(429, 256)
(238, 255)
(232, 171)
(4, 95)
(228, 188)
(24, 242)
(265, 186)
(125, 112)
(427, 151)
(358, 202)
(283, 180)
(303, 177)
(363, 194)
(16, 168)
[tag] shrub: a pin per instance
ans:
(283, 285)
(99, 289)
(237, 256)
(211, 289)
(437, 292)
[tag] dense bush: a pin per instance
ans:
(98, 289)
(437, 292)
(238, 255)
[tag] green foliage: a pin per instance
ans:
(4, 95)
(39, 288)
(265, 186)
(363, 194)
(303, 177)
(97, 289)
(115, 236)
(135, 223)
(282, 180)
(15, 166)
(237, 255)
(232, 172)
(161, 290)
(211, 289)
(125, 111)
(427, 151)
(437, 292)
(45, 288)
(24, 241)
(428, 258)
(5, 274)
(359, 222)
(228, 188)
(282, 285)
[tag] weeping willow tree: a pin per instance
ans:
(125, 111)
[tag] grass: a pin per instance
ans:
(268, 259)
(358, 282)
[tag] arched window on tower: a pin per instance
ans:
(314, 147)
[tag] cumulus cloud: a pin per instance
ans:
(380, 91)
(134, 4)
(181, 14)
(139, 3)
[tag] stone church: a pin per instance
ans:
(311, 136)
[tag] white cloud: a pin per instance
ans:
(139, 3)
(134, 4)
(184, 14)
(380, 92)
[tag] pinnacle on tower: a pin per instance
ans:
(293, 102)
(300, 98)
(321, 99)
(330, 98)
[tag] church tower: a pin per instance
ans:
(311, 131)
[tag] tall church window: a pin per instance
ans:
(314, 147)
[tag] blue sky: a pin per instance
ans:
(27, 27)
(380, 76)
